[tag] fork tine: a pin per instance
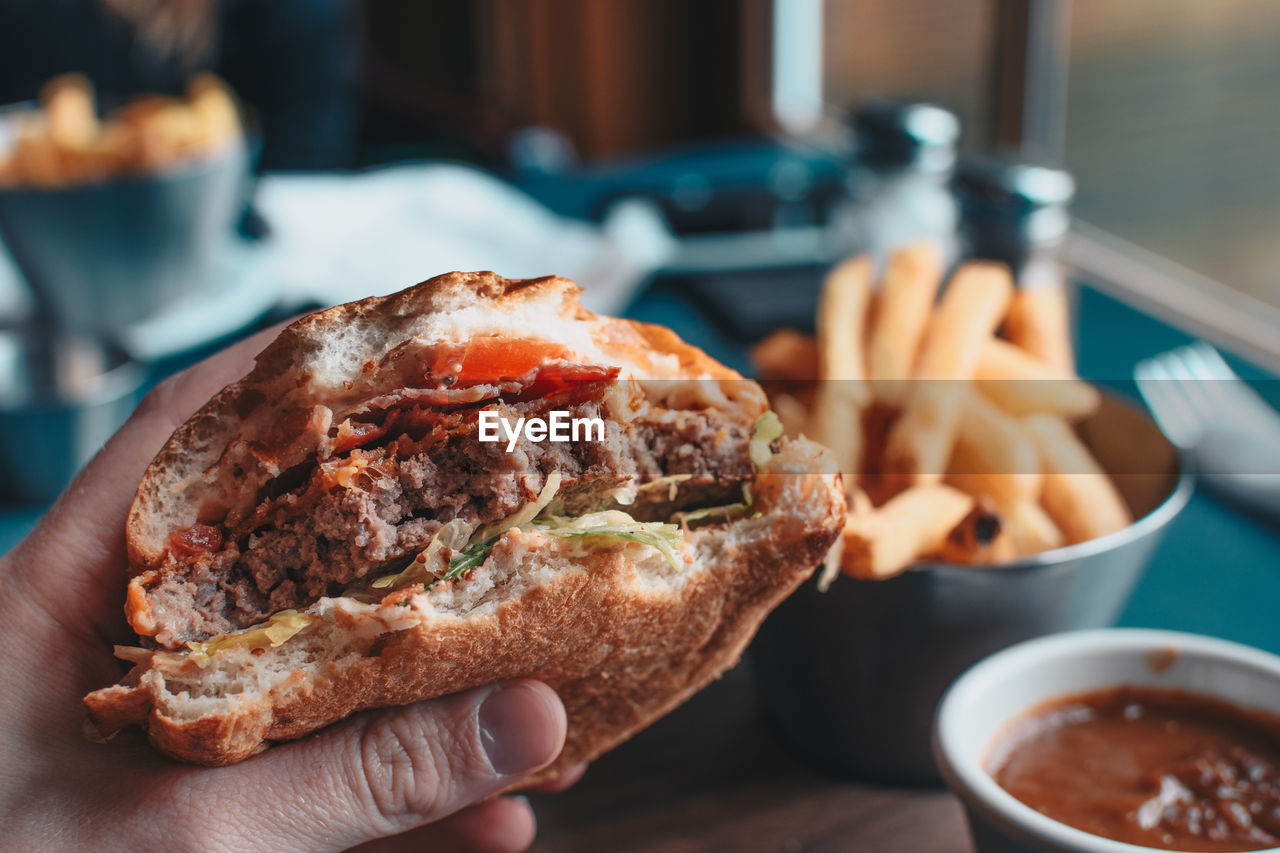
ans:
(1176, 418)
(1218, 383)
(1209, 361)
(1183, 373)
(1209, 369)
(1233, 399)
(1203, 406)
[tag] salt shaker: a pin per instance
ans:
(898, 182)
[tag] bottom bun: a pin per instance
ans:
(621, 635)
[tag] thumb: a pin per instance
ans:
(383, 773)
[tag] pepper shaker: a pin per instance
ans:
(1016, 212)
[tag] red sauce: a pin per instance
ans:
(1157, 768)
(196, 539)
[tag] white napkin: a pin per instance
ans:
(337, 237)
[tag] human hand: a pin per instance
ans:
(413, 778)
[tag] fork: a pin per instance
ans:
(1231, 433)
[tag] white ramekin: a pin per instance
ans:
(1007, 684)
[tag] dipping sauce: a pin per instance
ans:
(1158, 768)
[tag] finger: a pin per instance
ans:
(384, 773)
(563, 782)
(503, 825)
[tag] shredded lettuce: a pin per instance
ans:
(459, 564)
(622, 495)
(468, 548)
(429, 565)
(471, 557)
(608, 524)
(716, 514)
(768, 429)
(670, 483)
(526, 514)
(711, 514)
(279, 628)
(615, 524)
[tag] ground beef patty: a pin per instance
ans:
(337, 528)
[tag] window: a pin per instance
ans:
(1172, 121)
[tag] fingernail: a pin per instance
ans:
(517, 728)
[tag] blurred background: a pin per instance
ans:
(696, 164)
(214, 166)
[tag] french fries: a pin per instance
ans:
(1039, 322)
(64, 143)
(906, 300)
(836, 421)
(1022, 384)
(788, 355)
(843, 392)
(979, 538)
(1030, 528)
(931, 392)
(842, 314)
(1078, 495)
(971, 308)
(35, 160)
(885, 541)
(792, 413)
(993, 455)
(1000, 445)
(214, 106)
(71, 121)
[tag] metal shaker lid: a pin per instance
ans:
(903, 134)
(1024, 199)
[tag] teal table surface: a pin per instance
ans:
(1217, 572)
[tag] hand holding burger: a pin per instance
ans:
(407, 776)
(331, 539)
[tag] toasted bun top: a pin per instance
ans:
(349, 354)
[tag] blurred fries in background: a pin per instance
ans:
(992, 455)
(842, 314)
(950, 416)
(907, 294)
(1022, 384)
(971, 307)
(1078, 495)
(1039, 321)
(980, 537)
(879, 541)
(63, 143)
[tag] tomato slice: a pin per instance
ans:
(495, 359)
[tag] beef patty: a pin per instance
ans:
(371, 508)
